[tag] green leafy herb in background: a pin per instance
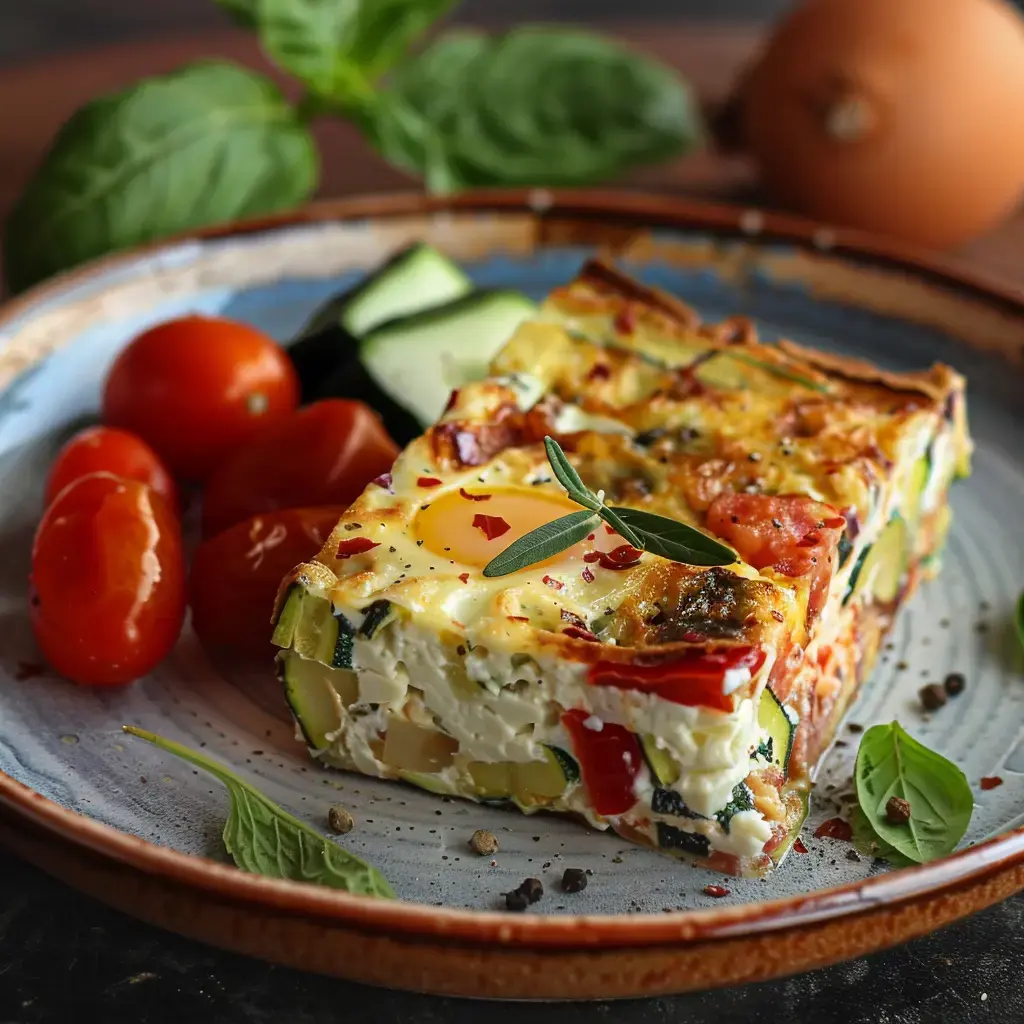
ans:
(1019, 619)
(890, 762)
(266, 840)
(644, 530)
(214, 142)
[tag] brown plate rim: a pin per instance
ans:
(966, 869)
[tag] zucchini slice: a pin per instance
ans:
(795, 825)
(288, 617)
(308, 624)
(317, 696)
(663, 768)
(418, 360)
(672, 838)
(780, 722)
(881, 567)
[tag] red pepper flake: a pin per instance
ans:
(473, 497)
(834, 828)
(625, 321)
(356, 546)
(777, 615)
(384, 480)
(550, 581)
(428, 481)
(452, 400)
(799, 845)
(692, 636)
(27, 670)
(580, 634)
(588, 576)
(991, 782)
(490, 526)
(810, 540)
(610, 530)
(599, 371)
(591, 536)
(519, 618)
(464, 576)
(592, 556)
(718, 891)
(835, 522)
(625, 556)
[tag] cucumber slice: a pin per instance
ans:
(663, 768)
(417, 360)
(317, 696)
(780, 722)
(880, 569)
(325, 352)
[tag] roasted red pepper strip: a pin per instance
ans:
(697, 679)
(609, 758)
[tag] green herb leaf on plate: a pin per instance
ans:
(536, 106)
(567, 476)
(891, 763)
(339, 48)
(675, 540)
(869, 844)
(544, 542)
(210, 143)
(266, 840)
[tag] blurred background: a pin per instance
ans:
(48, 26)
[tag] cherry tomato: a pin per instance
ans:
(795, 535)
(108, 581)
(198, 388)
(235, 576)
(107, 450)
(698, 679)
(325, 454)
(610, 760)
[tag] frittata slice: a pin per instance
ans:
(684, 707)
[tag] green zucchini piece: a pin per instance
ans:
(672, 838)
(431, 783)
(288, 617)
(780, 722)
(316, 631)
(916, 485)
(669, 802)
(786, 845)
(570, 769)
(376, 615)
(317, 695)
(418, 360)
(663, 768)
(883, 565)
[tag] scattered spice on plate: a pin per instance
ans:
(897, 810)
(718, 891)
(574, 880)
(955, 684)
(932, 696)
(516, 901)
(834, 828)
(855, 727)
(340, 820)
(853, 855)
(991, 782)
(531, 889)
(483, 842)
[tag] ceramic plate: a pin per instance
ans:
(123, 821)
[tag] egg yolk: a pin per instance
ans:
(502, 515)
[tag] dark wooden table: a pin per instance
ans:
(64, 957)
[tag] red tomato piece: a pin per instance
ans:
(610, 760)
(108, 450)
(791, 533)
(108, 581)
(199, 388)
(324, 454)
(697, 679)
(235, 576)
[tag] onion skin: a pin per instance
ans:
(902, 117)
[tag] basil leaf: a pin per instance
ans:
(672, 539)
(891, 763)
(265, 840)
(537, 106)
(339, 48)
(869, 844)
(210, 143)
(540, 544)
(567, 475)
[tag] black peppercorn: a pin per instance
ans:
(574, 880)
(955, 684)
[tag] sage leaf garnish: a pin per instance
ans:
(659, 535)
(675, 540)
(540, 544)
(891, 763)
(266, 840)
